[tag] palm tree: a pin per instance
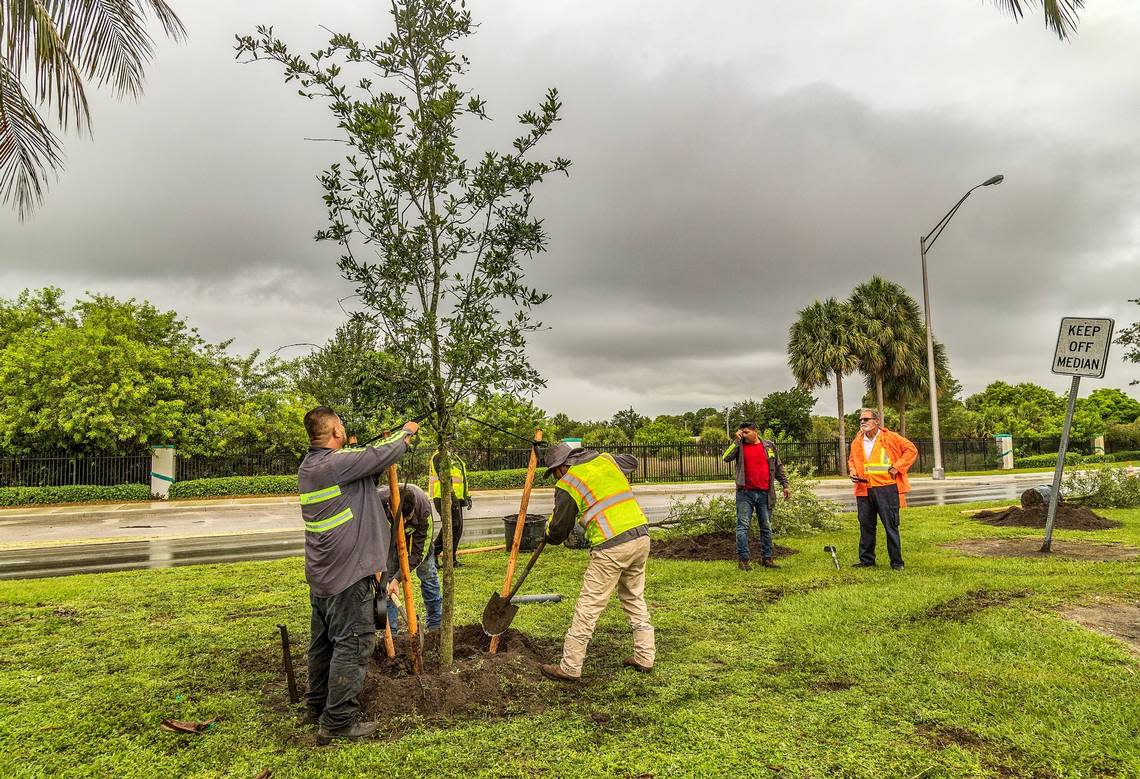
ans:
(890, 319)
(49, 49)
(913, 387)
(1060, 15)
(823, 345)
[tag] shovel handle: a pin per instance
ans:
(530, 564)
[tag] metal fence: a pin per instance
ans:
(673, 462)
(61, 471)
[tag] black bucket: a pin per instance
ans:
(533, 530)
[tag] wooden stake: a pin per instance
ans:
(481, 550)
(405, 571)
(389, 644)
(531, 467)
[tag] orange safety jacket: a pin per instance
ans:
(900, 451)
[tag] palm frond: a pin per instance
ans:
(1061, 16)
(32, 42)
(28, 149)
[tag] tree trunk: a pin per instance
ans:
(879, 397)
(902, 418)
(842, 423)
(443, 472)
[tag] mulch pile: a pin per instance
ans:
(710, 546)
(1068, 517)
(478, 684)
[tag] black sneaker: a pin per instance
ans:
(897, 567)
(351, 732)
(862, 565)
(312, 716)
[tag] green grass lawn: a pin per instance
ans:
(806, 671)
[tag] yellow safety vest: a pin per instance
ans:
(878, 465)
(458, 478)
(606, 505)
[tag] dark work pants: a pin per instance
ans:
(883, 503)
(343, 637)
(456, 524)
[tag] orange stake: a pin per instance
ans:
(531, 467)
(389, 644)
(405, 571)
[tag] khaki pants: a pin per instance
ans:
(621, 567)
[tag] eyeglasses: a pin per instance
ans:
(866, 419)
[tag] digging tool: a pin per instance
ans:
(551, 597)
(389, 644)
(288, 661)
(531, 467)
(419, 636)
(500, 610)
(405, 570)
(831, 549)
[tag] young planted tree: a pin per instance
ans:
(824, 344)
(434, 243)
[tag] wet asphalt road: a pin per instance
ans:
(274, 538)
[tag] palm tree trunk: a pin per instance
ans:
(902, 418)
(879, 396)
(842, 463)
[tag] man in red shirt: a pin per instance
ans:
(756, 463)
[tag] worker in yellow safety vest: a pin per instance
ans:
(878, 466)
(460, 499)
(593, 491)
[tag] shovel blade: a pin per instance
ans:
(498, 614)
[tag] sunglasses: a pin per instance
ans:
(866, 419)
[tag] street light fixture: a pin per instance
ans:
(924, 243)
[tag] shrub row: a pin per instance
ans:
(72, 493)
(1072, 458)
(234, 485)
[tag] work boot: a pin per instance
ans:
(312, 716)
(629, 662)
(768, 562)
(555, 672)
(743, 564)
(350, 732)
(862, 565)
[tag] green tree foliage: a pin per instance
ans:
(603, 434)
(433, 242)
(1129, 338)
(714, 436)
(660, 432)
(111, 375)
(895, 337)
(824, 428)
(629, 421)
(509, 412)
(824, 346)
(787, 414)
(1114, 406)
(1028, 410)
(748, 410)
(49, 52)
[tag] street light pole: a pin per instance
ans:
(924, 244)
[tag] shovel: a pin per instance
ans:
(500, 611)
(831, 550)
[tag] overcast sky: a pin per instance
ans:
(730, 168)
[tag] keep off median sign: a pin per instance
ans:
(1082, 350)
(1082, 347)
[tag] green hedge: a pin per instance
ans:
(234, 485)
(1123, 457)
(1042, 460)
(72, 493)
(504, 480)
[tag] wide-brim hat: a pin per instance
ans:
(556, 455)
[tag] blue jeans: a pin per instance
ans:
(749, 502)
(429, 588)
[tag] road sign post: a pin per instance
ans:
(1082, 350)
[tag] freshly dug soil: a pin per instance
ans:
(1031, 547)
(1068, 517)
(478, 685)
(1110, 618)
(710, 546)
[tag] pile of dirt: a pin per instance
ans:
(1068, 517)
(1031, 547)
(710, 546)
(478, 684)
(962, 607)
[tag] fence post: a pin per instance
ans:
(1098, 444)
(1005, 451)
(161, 470)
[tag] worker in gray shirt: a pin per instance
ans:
(346, 549)
(415, 508)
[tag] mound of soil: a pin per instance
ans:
(478, 684)
(710, 546)
(962, 607)
(1031, 547)
(1068, 517)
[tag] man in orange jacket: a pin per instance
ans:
(878, 464)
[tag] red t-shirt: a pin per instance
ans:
(756, 475)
